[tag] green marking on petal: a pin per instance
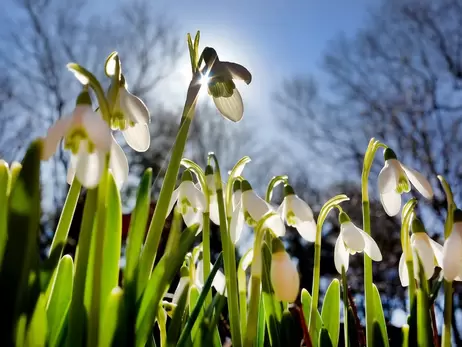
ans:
(249, 220)
(290, 217)
(403, 185)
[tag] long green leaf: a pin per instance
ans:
(112, 242)
(379, 317)
(137, 229)
(330, 313)
(325, 339)
(306, 307)
(113, 312)
(60, 298)
(37, 331)
(174, 330)
(200, 302)
(21, 251)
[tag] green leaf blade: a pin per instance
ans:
(330, 313)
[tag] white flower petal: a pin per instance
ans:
(284, 277)
(138, 137)
(231, 107)
(219, 282)
(276, 225)
(437, 251)
(89, 166)
(388, 177)
(55, 133)
(299, 207)
(419, 182)
(233, 70)
(352, 237)
(402, 271)
(71, 169)
(370, 247)
(179, 289)
(281, 210)
(191, 218)
(97, 129)
(173, 200)
(118, 164)
(214, 210)
(391, 202)
(421, 244)
(307, 230)
(195, 196)
(254, 205)
(452, 253)
(134, 109)
(237, 224)
(236, 198)
(341, 255)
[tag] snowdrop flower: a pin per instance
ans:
(86, 136)
(452, 251)
(131, 116)
(296, 213)
(284, 275)
(220, 76)
(423, 247)
(251, 209)
(395, 179)
(352, 240)
(191, 201)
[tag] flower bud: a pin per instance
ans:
(284, 276)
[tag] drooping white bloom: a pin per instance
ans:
(395, 179)
(190, 199)
(221, 86)
(429, 252)
(296, 213)
(87, 137)
(452, 251)
(352, 240)
(252, 209)
(284, 277)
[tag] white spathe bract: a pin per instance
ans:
(352, 240)
(191, 202)
(284, 277)
(452, 254)
(296, 213)
(395, 179)
(88, 137)
(430, 253)
(136, 119)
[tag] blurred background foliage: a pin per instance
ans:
(398, 78)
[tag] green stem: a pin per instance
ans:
(345, 307)
(315, 290)
(156, 227)
(95, 307)
(369, 306)
(65, 219)
(446, 336)
(252, 318)
(412, 286)
(206, 251)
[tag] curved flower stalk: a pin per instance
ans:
(190, 199)
(352, 240)
(251, 209)
(423, 247)
(86, 136)
(130, 115)
(284, 275)
(220, 76)
(452, 251)
(298, 214)
(395, 179)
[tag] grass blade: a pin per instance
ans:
(110, 335)
(379, 318)
(330, 313)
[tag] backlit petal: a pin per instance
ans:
(134, 109)
(71, 169)
(438, 252)
(419, 182)
(190, 218)
(452, 253)
(391, 202)
(237, 224)
(55, 133)
(118, 164)
(402, 271)
(179, 289)
(352, 237)
(421, 244)
(370, 248)
(98, 130)
(254, 205)
(307, 230)
(388, 177)
(300, 208)
(231, 107)
(138, 137)
(236, 71)
(214, 211)
(89, 166)
(173, 200)
(341, 255)
(276, 225)
(195, 196)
